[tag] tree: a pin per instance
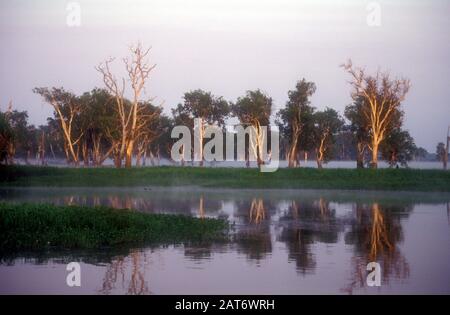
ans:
(161, 145)
(6, 138)
(138, 70)
(420, 153)
(383, 97)
(149, 129)
(18, 122)
(294, 119)
(344, 144)
(208, 108)
(182, 118)
(440, 152)
(327, 123)
(67, 108)
(53, 142)
(254, 110)
(99, 123)
(398, 147)
(359, 127)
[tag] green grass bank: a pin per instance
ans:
(359, 179)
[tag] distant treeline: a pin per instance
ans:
(103, 123)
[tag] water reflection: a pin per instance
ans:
(300, 228)
(306, 224)
(253, 238)
(376, 234)
(129, 272)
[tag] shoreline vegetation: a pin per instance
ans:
(44, 226)
(242, 178)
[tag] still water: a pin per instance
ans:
(284, 242)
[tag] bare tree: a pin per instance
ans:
(138, 70)
(67, 109)
(383, 97)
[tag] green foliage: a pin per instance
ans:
(38, 226)
(253, 108)
(440, 151)
(398, 148)
(359, 125)
(420, 153)
(201, 104)
(298, 113)
(327, 124)
(6, 137)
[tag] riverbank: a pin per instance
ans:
(298, 178)
(43, 226)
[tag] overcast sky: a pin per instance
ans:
(230, 46)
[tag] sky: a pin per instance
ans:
(231, 46)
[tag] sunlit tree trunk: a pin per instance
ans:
(293, 148)
(374, 161)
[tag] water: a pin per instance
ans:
(284, 242)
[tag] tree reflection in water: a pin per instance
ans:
(257, 212)
(253, 237)
(128, 272)
(303, 225)
(376, 234)
(201, 208)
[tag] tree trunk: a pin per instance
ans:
(374, 162)
(43, 149)
(27, 157)
(138, 158)
(158, 156)
(292, 155)
(66, 152)
(360, 155)
(85, 152)
(11, 153)
(144, 157)
(152, 158)
(53, 152)
(75, 154)
(129, 153)
(319, 163)
(320, 151)
(117, 157)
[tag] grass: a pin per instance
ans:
(44, 226)
(360, 179)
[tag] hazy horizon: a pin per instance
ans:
(228, 47)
